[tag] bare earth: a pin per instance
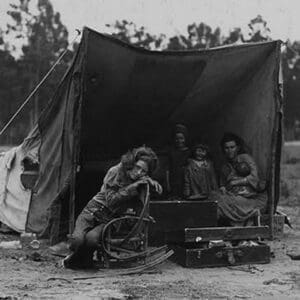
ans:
(22, 276)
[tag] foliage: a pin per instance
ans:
(202, 36)
(44, 38)
(130, 33)
(259, 31)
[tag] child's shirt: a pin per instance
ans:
(199, 178)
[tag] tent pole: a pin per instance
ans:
(72, 200)
(37, 87)
(75, 167)
(277, 145)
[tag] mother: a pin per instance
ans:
(231, 205)
(120, 190)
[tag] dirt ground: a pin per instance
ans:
(27, 275)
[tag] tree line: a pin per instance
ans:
(44, 37)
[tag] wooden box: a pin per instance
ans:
(175, 216)
(199, 235)
(188, 255)
(278, 224)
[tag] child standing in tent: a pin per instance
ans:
(120, 190)
(178, 157)
(199, 175)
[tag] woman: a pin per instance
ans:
(178, 157)
(199, 175)
(231, 205)
(120, 190)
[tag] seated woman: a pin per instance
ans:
(231, 205)
(199, 175)
(178, 157)
(120, 190)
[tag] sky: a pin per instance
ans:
(172, 16)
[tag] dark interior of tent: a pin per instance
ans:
(134, 97)
(115, 97)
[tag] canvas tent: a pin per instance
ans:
(115, 96)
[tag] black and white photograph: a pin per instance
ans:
(149, 149)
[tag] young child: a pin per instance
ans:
(242, 170)
(199, 176)
(177, 159)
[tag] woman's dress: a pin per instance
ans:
(240, 208)
(177, 163)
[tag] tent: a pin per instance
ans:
(115, 96)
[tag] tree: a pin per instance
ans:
(10, 89)
(44, 37)
(199, 36)
(178, 43)
(202, 36)
(130, 33)
(235, 37)
(259, 31)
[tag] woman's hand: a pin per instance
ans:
(154, 184)
(232, 183)
(223, 189)
(147, 180)
(197, 197)
(142, 181)
(235, 182)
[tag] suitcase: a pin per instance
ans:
(175, 216)
(190, 227)
(196, 235)
(199, 247)
(190, 256)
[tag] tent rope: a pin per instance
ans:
(39, 85)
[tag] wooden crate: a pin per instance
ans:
(188, 255)
(178, 215)
(278, 224)
(199, 235)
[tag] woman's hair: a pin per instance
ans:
(145, 154)
(229, 137)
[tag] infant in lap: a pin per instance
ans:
(242, 171)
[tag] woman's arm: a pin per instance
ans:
(115, 196)
(213, 178)
(252, 179)
(238, 181)
(111, 190)
(223, 179)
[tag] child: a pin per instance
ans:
(242, 170)
(199, 176)
(178, 157)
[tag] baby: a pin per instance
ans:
(242, 170)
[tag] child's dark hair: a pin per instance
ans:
(243, 169)
(201, 146)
